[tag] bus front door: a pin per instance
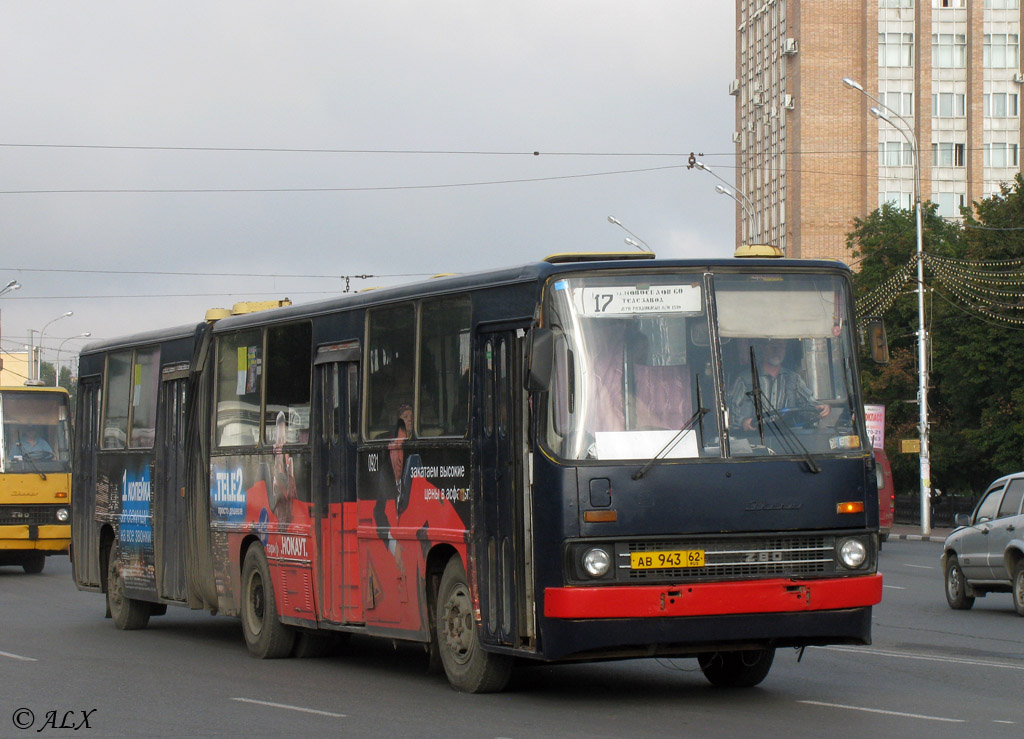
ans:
(500, 543)
(336, 464)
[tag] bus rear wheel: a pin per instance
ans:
(127, 613)
(743, 669)
(33, 563)
(265, 635)
(469, 668)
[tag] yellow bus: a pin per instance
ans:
(35, 476)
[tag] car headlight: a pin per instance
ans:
(852, 553)
(62, 515)
(596, 562)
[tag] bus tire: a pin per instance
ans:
(956, 586)
(469, 668)
(34, 563)
(743, 669)
(265, 635)
(127, 613)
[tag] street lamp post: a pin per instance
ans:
(39, 360)
(907, 131)
(745, 204)
(56, 374)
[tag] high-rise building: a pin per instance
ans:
(811, 158)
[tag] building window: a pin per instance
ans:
(895, 50)
(1002, 4)
(1001, 50)
(900, 102)
(949, 50)
(947, 154)
(895, 3)
(1000, 105)
(947, 3)
(950, 203)
(897, 198)
(1000, 155)
(895, 154)
(949, 105)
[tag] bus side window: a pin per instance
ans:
(390, 369)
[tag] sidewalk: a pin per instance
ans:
(912, 532)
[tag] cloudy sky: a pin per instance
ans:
(268, 149)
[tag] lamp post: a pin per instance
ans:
(907, 131)
(10, 287)
(39, 361)
(56, 374)
(748, 209)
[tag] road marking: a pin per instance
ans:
(1002, 721)
(18, 657)
(926, 658)
(290, 708)
(893, 587)
(920, 567)
(887, 713)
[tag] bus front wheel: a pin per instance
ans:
(265, 635)
(127, 613)
(469, 668)
(34, 563)
(743, 669)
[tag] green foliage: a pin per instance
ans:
(976, 389)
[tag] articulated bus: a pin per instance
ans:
(35, 476)
(578, 459)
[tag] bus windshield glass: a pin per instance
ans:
(640, 371)
(35, 432)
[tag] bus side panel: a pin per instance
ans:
(413, 495)
(266, 496)
(123, 497)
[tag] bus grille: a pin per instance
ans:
(29, 515)
(733, 559)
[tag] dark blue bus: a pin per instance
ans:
(581, 459)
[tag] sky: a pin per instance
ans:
(161, 158)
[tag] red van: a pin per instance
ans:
(886, 494)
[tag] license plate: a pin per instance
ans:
(664, 560)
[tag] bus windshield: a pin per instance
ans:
(34, 431)
(641, 371)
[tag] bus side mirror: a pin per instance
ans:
(540, 358)
(878, 344)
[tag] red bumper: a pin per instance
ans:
(713, 599)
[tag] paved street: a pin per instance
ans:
(932, 672)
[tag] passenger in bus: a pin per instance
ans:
(781, 386)
(30, 445)
(284, 473)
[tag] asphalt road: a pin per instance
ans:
(931, 672)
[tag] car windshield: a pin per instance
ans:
(640, 370)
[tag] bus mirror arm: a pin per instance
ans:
(540, 359)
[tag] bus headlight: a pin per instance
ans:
(852, 553)
(596, 562)
(62, 515)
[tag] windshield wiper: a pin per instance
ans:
(697, 415)
(785, 434)
(756, 394)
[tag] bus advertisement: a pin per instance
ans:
(35, 476)
(578, 459)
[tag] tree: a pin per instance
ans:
(979, 360)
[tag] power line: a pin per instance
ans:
(213, 274)
(379, 188)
